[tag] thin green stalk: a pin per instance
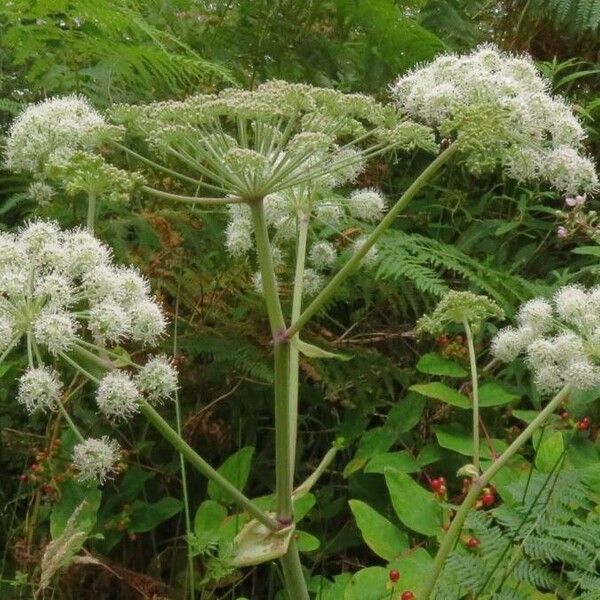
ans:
(203, 467)
(329, 290)
(91, 211)
(474, 394)
(69, 421)
(453, 533)
(294, 380)
(310, 481)
(191, 199)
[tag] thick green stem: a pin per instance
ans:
(91, 211)
(453, 533)
(329, 290)
(292, 569)
(203, 467)
(191, 199)
(474, 394)
(294, 380)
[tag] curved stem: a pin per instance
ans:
(191, 199)
(312, 479)
(474, 393)
(91, 211)
(203, 467)
(70, 422)
(453, 533)
(328, 291)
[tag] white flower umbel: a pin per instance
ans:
(96, 458)
(39, 389)
(51, 131)
(559, 339)
(366, 205)
(157, 380)
(322, 255)
(117, 395)
(501, 107)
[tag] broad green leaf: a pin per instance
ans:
(435, 364)
(375, 441)
(414, 569)
(209, 516)
(355, 465)
(307, 542)
(587, 250)
(440, 391)
(72, 496)
(493, 394)
(401, 461)
(549, 451)
(383, 537)
(417, 508)
(324, 589)
(406, 413)
(525, 415)
(429, 454)
(145, 516)
(236, 470)
(368, 584)
(454, 437)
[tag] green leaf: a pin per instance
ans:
(406, 413)
(383, 537)
(376, 441)
(549, 451)
(440, 391)
(368, 584)
(435, 364)
(208, 519)
(417, 508)
(493, 394)
(236, 470)
(312, 351)
(454, 437)
(414, 569)
(145, 516)
(307, 542)
(401, 461)
(72, 495)
(587, 250)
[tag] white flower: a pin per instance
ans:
(96, 459)
(7, 331)
(507, 344)
(39, 389)
(83, 252)
(51, 131)
(312, 282)
(157, 379)
(537, 314)
(571, 304)
(117, 395)
(54, 289)
(367, 205)
(148, 323)
(55, 329)
(41, 192)
(238, 234)
(108, 322)
(329, 212)
(132, 287)
(322, 255)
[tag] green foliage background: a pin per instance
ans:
(491, 236)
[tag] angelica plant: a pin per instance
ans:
(282, 159)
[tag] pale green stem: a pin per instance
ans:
(203, 467)
(329, 290)
(474, 393)
(79, 368)
(454, 531)
(9, 348)
(30, 350)
(91, 211)
(292, 569)
(310, 481)
(69, 421)
(191, 199)
(294, 380)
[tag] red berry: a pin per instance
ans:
(472, 542)
(488, 499)
(394, 575)
(565, 415)
(23, 477)
(34, 467)
(435, 485)
(407, 596)
(584, 424)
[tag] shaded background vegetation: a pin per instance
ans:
(492, 236)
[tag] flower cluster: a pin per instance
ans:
(95, 459)
(560, 339)
(282, 135)
(56, 140)
(500, 108)
(456, 308)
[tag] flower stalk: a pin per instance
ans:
(474, 393)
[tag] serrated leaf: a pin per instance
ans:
(416, 508)
(382, 536)
(440, 391)
(435, 364)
